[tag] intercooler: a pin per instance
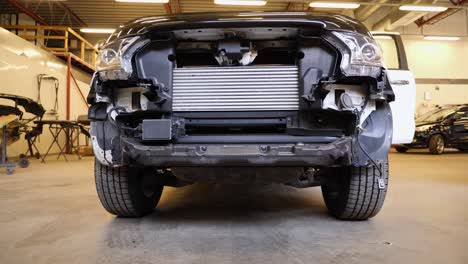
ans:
(235, 88)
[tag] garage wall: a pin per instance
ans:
(20, 64)
(433, 62)
(437, 64)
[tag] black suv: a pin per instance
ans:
(440, 128)
(292, 98)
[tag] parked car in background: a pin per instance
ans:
(441, 128)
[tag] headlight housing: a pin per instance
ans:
(361, 55)
(114, 61)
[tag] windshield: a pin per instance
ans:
(435, 115)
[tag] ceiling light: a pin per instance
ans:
(382, 37)
(240, 2)
(144, 1)
(441, 38)
(420, 8)
(385, 33)
(98, 30)
(342, 5)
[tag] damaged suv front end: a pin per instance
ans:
(294, 98)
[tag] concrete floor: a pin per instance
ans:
(50, 214)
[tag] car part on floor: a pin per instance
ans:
(14, 124)
(5, 121)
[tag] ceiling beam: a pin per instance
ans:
(381, 4)
(168, 8)
(173, 7)
(27, 12)
(176, 5)
(364, 12)
(442, 15)
(73, 14)
(397, 18)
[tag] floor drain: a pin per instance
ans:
(387, 243)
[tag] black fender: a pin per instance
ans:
(105, 137)
(376, 136)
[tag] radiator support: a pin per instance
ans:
(249, 88)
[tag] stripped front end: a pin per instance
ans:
(243, 94)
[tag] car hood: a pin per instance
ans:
(326, 21)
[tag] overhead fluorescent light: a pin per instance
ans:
(342, 5)
(441, 38)
(385, 32)
(98, 30)
(420, 8)
(383, 37)
(144, 1)
(240, 2)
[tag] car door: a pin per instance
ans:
(460, 127)
(403, 84)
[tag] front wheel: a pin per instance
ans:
(353, 193)
(436, 144)
(126, 191)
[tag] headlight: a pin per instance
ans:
(423, 128)
(114, 61)
(361, 55)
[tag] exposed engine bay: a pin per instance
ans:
(238, 86)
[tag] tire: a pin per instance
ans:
(353, 193)
(401, 149)
(125, 191)
(436, 144)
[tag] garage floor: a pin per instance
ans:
(50, 214)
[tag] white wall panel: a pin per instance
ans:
(438, 60)
(20, 64)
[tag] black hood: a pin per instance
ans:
(325, 21)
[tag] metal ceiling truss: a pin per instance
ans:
(442, 15)
(301, 6)
(56, 10)
(58, 13)
(173, 7)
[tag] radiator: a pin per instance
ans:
(248, 88)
